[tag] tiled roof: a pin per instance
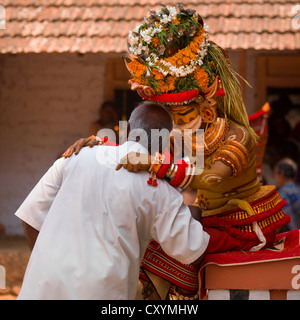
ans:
(103, 25)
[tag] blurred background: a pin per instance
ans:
(60, 63)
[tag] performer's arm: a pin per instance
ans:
(216, 174)
(229, 160)
(135, 162)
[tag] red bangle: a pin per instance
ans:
(165, 166)
(104, 139)
(180, 173)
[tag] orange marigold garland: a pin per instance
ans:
(138, 71)
(202, 78)
(167, 84)
(185, 55)
(157, 74)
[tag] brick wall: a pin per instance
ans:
(47, 101)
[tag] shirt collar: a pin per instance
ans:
(132, 146)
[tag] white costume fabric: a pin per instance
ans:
(95, 224)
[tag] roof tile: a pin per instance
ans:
(102, 25)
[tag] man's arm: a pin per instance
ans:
(31, 234)
(35, 207)
(179, 234)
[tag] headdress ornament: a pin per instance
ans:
(168, 56)
(172, 61)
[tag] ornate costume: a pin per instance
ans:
(173, 62)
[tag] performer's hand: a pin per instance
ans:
(78, 145)
(135, 162)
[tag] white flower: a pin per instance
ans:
(165, 19)
(147, 35)
(206, 27)
(133, 40)
(157, 29)
(200, 62)
(147, 39)
(173, 12)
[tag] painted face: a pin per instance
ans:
(184, 114)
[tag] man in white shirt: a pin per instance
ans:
(94, 223)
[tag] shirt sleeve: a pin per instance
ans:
(35, 207)
(179, 234)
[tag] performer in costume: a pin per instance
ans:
(173, 62)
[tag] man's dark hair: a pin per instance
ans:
(287, 168)
(147, 117)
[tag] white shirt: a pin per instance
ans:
(95, 224)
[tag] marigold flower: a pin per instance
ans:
(167, 84)
(175, 21)
(201, 77)
(185, 55)
(136, 68)
(157, 74)
(185, 60)
(155, 42)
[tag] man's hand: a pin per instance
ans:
(135, 162)
(78, 145)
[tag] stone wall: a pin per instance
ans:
(47, 101)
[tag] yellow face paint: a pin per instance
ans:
(184, 114)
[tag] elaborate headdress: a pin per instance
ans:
(172, 61)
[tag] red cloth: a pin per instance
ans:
(221, 241)
(291, 249)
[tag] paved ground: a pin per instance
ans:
(14, 255)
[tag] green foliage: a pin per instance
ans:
(143, 26)
(162, 37)
(209, 71)
(185, 83)
(151, 82)
(173, 29)
(180, 34)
